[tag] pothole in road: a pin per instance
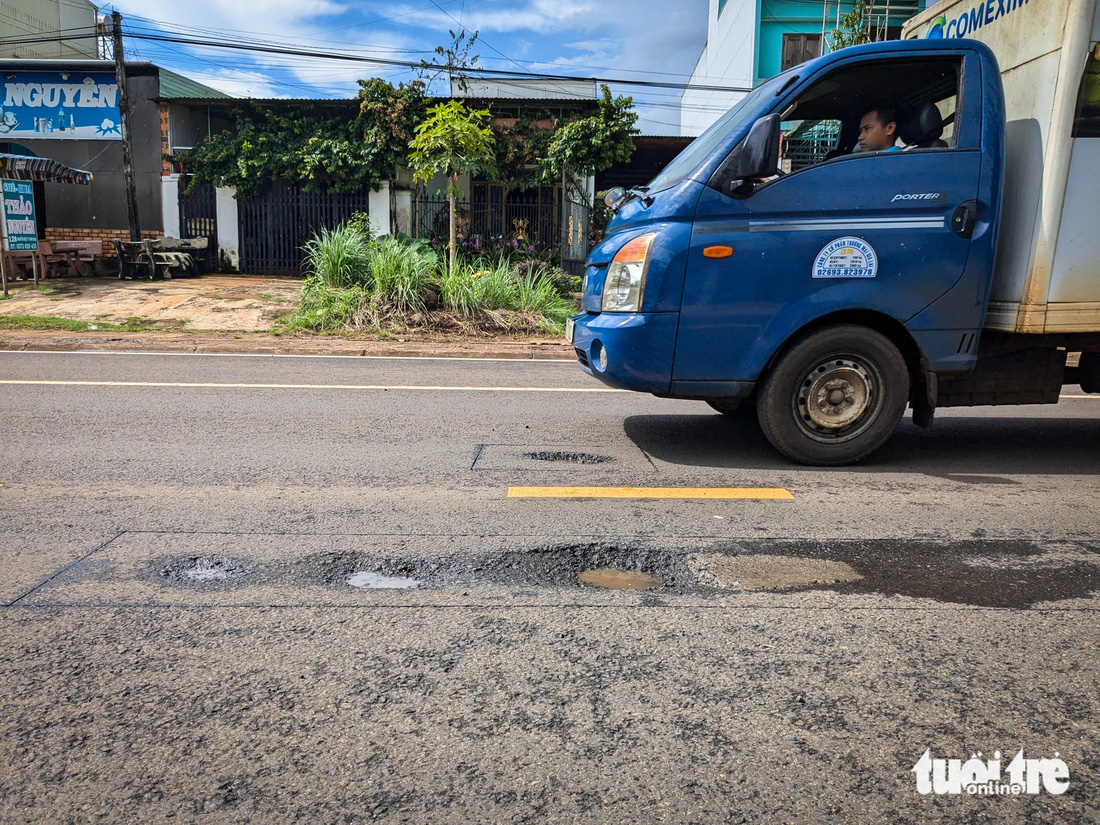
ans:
(608, 578)
(987, 572)
(375, 581)
(600, 565)
(203, 570)
(567, 457)
(766, 572)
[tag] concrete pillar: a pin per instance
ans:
(379, 205)
(170, 204)
(229, 243)
(403, 211)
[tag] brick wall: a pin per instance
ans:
(165, 144)
(60, 233)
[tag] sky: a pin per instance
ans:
(653, 40)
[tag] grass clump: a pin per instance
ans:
(356, 281)
(36, 322)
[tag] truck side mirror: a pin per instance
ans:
(754, 158)
(758, 154)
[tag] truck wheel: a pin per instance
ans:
(835, 396)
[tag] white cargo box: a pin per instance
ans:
(1047, 275)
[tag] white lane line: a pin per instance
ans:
(1088, 397)
(375, 387)
(565, 360)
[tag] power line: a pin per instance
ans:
(275, 48)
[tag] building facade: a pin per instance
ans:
(28, 29)
(69, 111)
(749, 41)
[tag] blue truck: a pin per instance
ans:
(773, 269)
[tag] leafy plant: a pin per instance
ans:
(521, 147)
(592, 144)
(453, 140)
(855, 28)
(345, 150)
(403, 273)
(456, 60)
(339, 257)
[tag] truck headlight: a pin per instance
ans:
(625, 283)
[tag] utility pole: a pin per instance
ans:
(127, 142)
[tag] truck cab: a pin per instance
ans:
(773, 266)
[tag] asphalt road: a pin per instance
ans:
(180, 641)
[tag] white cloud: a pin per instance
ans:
(239, 83)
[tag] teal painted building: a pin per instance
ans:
(749, 41)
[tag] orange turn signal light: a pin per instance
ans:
(636, 250)
(717, 251)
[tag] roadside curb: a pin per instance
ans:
(250, 343)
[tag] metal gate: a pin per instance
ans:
(275, 226)
(199, 219)
(576, 212)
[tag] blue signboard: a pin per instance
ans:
(22, 234)
(60, 106)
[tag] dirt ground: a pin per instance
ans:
(220, 313)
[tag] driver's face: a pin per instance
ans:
(875, 136)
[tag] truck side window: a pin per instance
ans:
(803, 143)
(1086, 118)
(822, 122)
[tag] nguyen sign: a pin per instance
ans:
(60, 105)
(22, 234)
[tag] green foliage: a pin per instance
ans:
(453, 140)
(403, 272)
(346, 151)
(32, 322)
(498, 294)
(339, 257)
(455, 59)
(854, 28)
(394, 282)
(595, 143)
(521, 149)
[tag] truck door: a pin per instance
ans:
(837, 230)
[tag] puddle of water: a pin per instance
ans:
(376, 581)
(611, 579)
(571, 458)
(764, 572)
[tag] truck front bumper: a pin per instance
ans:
(629, 351)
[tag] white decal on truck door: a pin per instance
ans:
(846, 258)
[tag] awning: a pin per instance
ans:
(25, 167)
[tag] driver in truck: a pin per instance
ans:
(878, 130)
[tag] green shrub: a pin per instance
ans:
(339, 257)
(357, 281)
(403, 272)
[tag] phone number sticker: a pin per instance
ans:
(846, 258)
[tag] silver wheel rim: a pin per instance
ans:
(837, 399)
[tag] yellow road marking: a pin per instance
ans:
(304, 386)
(773, 493)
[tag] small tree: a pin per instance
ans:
(854, 28)
(456, 60)
(595, 143)
(453, 140)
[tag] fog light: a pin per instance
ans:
(603, 359)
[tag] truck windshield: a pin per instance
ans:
(699, 149)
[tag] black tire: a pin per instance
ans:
(834, 396)
(743, 408)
